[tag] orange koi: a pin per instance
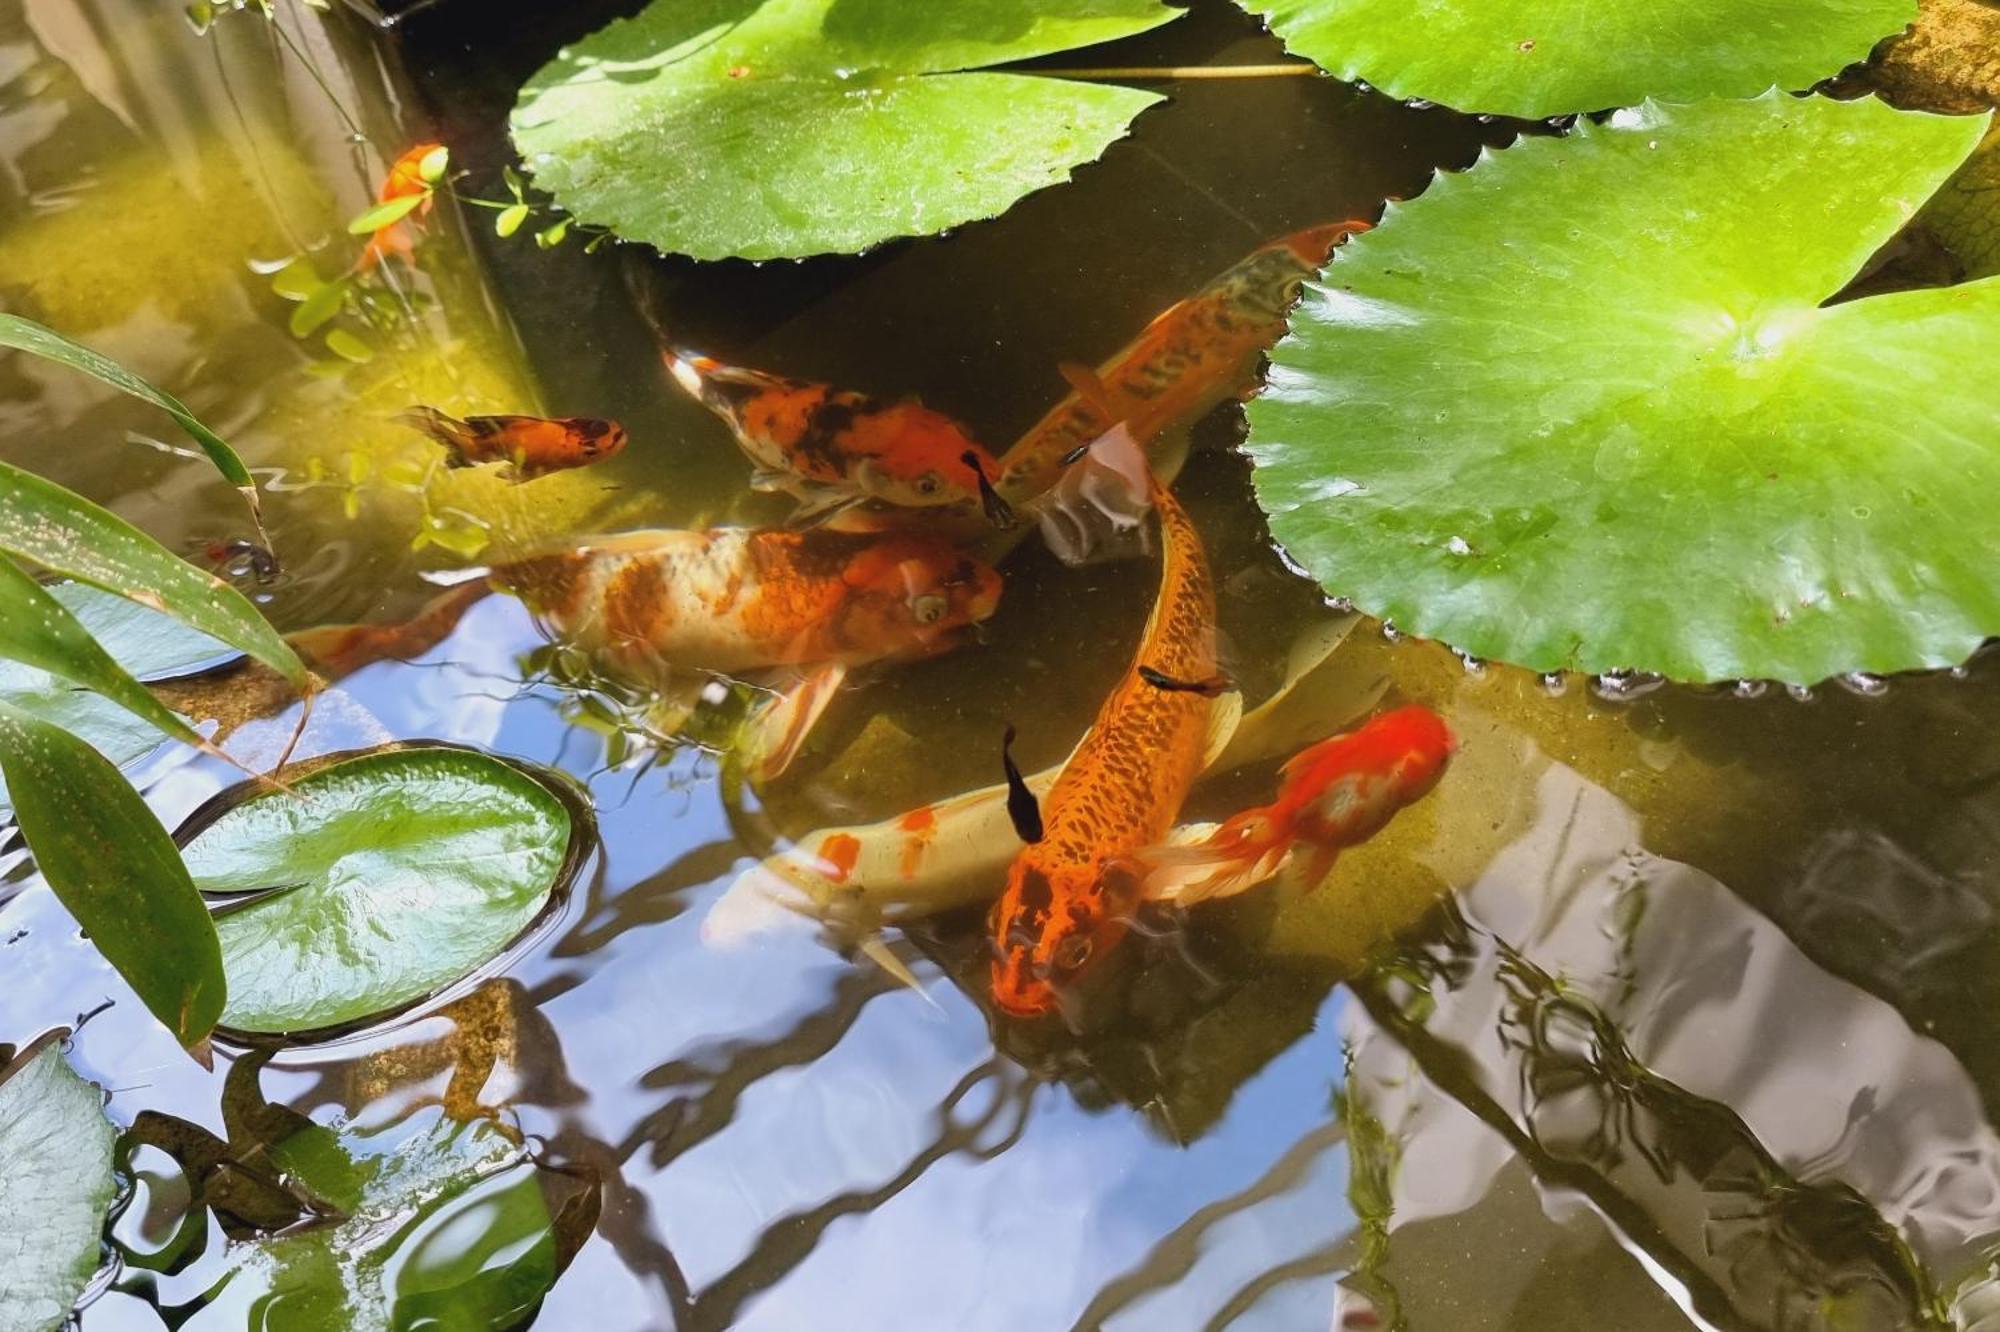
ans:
(833, 447)
(1070, 894)
(729, 600)
(1332, 795)
(532, 446)
(1193, 355)
(405, 178)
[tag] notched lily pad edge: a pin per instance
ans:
(582, 845)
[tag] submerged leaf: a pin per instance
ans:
(399, 872)
(55, 1186)
(385, 214)
(28, 336)
(1574, 409)
(1547, 57)
(115, 869)
(65, 533)
(767, 129)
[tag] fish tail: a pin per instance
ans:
(446, 430)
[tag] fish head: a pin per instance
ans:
(913, 594)
(916, 458)
(1054, 922)
(600, 439)
(1353, 785)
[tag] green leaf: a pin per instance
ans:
(56, 1185)
(37, 631)
(322, 304)
(447, 1228)
(67, 534)
(1583, 406)
(432, 166)
(551, 236)
(349, 346)
(145, 643)
(295, 281)
(28, 336)
(385, 214)
(115, 869)
(510, 220)
(416, 866)
(766, 129)
(1539, 58)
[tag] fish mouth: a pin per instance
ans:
(1021, 999)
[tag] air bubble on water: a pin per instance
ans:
(1391, 632)
(1864, 684)
(1554, 683)
(1751, 688)
(1458, 546)
(1960, 673)
(714, 693)
(1341, 605)
(1623, 686)
(1799, 693)
(1473, 665)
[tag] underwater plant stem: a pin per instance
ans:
(1286, 70)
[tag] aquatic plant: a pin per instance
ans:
(1573, 409)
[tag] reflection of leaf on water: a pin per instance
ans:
(1373, 1153)
(55, 1184)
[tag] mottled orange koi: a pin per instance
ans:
(532, 446)
(1332, 795)
(1069, 896)
(831, 447)
(735, 599)
(404, 178)
(1193, 355)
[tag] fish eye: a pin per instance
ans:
(928, 608)
(928, 483)
(1072, 952)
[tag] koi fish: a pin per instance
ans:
(1070, 895)
(404, 179)
(532, 446)
(1332, 795)
(1193, 355)
(729, 600)
(239, 557)
(834, 447)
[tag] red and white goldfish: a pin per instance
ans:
(832, 447)
(1332, 795)
(1070, 895)
(404, 179)
(1195, 354)
(531, 446)
(730, 600)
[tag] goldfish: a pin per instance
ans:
(532, 446)
(833, 447)
(1332, 795)
(730, 600)
(1192, 356)
(404, 179)
(1071, 891)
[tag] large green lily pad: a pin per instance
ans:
(55, 1186)
(766, 129)
(398, 873)
(1547, 57)
(1582, 406)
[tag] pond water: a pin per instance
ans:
(1668, 1008)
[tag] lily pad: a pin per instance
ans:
(147, 644)
(55, 1186)
(1539, 58)
(765, 129)
(396, 873)
(1583, 406)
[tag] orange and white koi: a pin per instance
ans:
(531, 446)
(729, 600)
(1070, 895)
(1195, 354)
(404, 179)
(1332, 795)
(832, 447)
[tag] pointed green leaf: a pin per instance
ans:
(413, 868)
(1539, 58)
(37, 631)
(60, 530)
(320, 305)
(767, 129)
(28, 336)
(1584, 405)
(56, 1184)
(510, 220)
(385, 214)
(115, 869)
